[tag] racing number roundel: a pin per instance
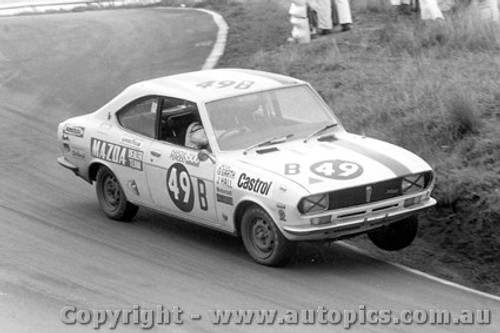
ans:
(337, 169)
(180, 187)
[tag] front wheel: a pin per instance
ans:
(112, 198)
(263, 240)
(395, 236)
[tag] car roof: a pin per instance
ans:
(207, 85)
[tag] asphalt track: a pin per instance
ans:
(56, 247)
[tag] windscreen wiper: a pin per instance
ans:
(321, 130)
(273, 140)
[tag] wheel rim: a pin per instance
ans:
(262, 237)
(111, 192)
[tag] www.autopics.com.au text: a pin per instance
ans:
(161, 315)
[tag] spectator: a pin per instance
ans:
(323, 9)
(344, 14)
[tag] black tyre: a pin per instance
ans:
(395, 236)
(263, 240)
(112, 198)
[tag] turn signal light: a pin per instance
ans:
(321, 220)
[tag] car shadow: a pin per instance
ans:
(308, 255)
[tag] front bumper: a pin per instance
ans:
(377, 217)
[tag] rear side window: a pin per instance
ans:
(140, 116)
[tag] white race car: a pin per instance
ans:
(251, 153)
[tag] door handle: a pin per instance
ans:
(155, 153)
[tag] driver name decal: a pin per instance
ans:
(254, 185)
(116, 154)
(337, 169)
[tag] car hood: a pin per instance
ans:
(336, 162)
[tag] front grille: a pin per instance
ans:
(368, 193)
(374, 192)
(359, 195)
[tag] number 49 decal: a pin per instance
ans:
(181, 191)
(241, 85)
(337, 169)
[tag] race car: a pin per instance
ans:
(251, 153)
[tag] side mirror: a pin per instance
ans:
(204, 155)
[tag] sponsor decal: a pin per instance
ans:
(225, 176)
(282, 215)
(224, 191)
(224, 195)
(72, 130)
(130, 141)
(337, 169)
(254, 185)
(185, 157)
(116, 154)
(224, 199)
(77, 153)
(281, 212)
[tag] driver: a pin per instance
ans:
(196, 137)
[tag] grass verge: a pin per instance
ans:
(431, 87)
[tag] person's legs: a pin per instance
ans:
(344, 13)
(324, 11)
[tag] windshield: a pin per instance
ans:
(242, 121)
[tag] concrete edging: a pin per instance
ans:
(61, 6)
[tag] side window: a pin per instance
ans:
(177, 116)
(140, 116)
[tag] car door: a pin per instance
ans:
(180, 183)
(123, 147)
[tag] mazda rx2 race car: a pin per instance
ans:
(251, 153)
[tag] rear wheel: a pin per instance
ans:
(395, 236)
(263, 240)
(112, 198)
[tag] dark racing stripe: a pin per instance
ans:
(394, 165)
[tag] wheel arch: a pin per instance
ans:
(93, 168)
(240, 210)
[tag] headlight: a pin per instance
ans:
(416, 183)
(313, 203)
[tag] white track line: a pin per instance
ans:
(220, 43)
(424, 275)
